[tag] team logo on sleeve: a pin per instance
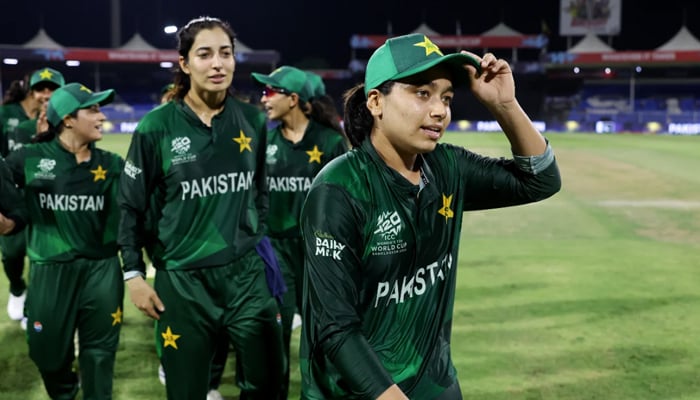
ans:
(131, 170)
(46, 166)
(327, 246)
(243, 142)
(446, 211)
(387, 238)
(314, 155)
(180, 147)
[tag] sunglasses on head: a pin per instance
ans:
(270, 91)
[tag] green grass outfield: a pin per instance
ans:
(592, 294)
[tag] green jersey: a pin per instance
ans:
(381, 263)
(72, 207)
(11, 202)
(291, 167)
(21, 135)
(11, 115)
(199, 192)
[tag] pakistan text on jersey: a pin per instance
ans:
(288, 183)
(404, 288)
(71, 202)
(217, 184)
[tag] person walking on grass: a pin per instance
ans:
(200, 159)
(303, 142)
(381, 224)
(75, 285)
(22, 105)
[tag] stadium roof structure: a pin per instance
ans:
(425, 30)
(42, 40)
(137, 42)
(501, 29)
(677, 52)
(590, 44)
(136, 50)
(682, 41)
(499, 37)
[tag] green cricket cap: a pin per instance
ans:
(318, 88)
(403, 56)
(288, 78)
(46, 75)
(73, 97)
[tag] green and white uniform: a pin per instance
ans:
(207, 185)
(291, 167)
(13, 247)
(381, 263)
(75, 280)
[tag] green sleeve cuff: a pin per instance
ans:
(535, 164)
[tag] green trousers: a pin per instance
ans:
(14, 248)
(290, 255)
(200, 305)
(82, 295)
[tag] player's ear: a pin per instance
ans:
(375, 102)
(183, 65)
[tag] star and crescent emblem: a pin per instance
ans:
(243, 142)
(46, 74)
(314, 155)
(169, 338)
(117, 316)
(446, 211)
(99, 174)
(429, 46)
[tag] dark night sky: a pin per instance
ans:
(305, 29)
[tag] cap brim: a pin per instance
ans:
(265, 80)
(101, 98)
(454, 61)
(55, 85)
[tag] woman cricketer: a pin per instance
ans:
(381, 224)
(303, 141)
(198, 161)
(75, 284)
(22, 104)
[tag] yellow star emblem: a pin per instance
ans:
(45, 74)
(244, 142)
(429, 46)
(169, 338)
(117, 315)
(100, 174)
(314, 155)
(446, 211)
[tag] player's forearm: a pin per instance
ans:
(525, 139)
(358, 363)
